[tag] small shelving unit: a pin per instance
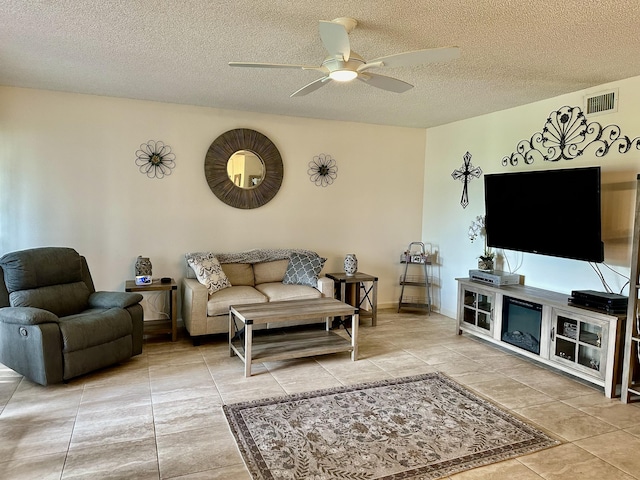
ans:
(631, 367)
(415, 256)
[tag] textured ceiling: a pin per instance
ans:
(513, 52)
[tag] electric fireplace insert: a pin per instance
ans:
(521, 324)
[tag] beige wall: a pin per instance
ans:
(490, 138)
(68, 177)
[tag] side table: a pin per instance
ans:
(160, 326)
(368, 284)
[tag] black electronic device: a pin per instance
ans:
(549, 212)
(613, 303)
(165, 280)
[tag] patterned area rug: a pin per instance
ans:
(421, 427)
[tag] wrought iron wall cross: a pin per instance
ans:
(465, 174)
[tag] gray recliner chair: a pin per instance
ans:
(54, 325)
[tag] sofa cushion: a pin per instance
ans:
(278, 291)
(220, 301)
(303, 269)
(267, 272)
(239, 274)
(61, 300)
(209, 273)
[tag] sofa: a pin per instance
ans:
(215, 281)
(54, 326)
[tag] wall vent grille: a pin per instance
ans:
(606, 102)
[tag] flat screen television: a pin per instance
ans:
(549, 212)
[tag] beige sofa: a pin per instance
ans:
(256, 276)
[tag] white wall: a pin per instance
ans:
(68, 177)
(489, 138)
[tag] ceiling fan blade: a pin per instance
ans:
(277, 65)
(417, 57)
(384, 82)
(311, 87)
(335, 38)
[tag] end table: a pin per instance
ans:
(360, 281)
(154, 327)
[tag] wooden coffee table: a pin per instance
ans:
(268, 347)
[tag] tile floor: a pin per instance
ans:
(159, 415)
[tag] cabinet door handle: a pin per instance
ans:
(553, 332)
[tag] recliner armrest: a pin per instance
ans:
(114, 299)
(26, 316)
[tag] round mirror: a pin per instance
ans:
(243, 168)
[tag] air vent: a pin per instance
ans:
(606, 102)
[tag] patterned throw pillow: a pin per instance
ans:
(303, 269)
(209, 273)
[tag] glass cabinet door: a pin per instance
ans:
(589, 348)
(579, 340)
(478, 309)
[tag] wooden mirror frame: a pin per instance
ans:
(215, 168)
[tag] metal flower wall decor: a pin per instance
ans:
(322, 170)
(155, 159)
(566, 135)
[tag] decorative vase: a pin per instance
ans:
(143, 266)
(485, 264)
(350, 264)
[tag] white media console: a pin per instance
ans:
(541, 325)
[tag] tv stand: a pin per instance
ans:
(583, 342)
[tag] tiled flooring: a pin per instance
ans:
(159, 415)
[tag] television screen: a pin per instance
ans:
(549, 212)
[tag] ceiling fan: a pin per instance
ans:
(343, 64)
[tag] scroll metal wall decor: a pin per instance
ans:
(566, 135)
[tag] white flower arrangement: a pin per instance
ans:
(477, 229)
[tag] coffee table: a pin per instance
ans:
(270, 346)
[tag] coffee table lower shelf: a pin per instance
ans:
(286, 346)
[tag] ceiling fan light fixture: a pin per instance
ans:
(343, 75)
(344, 65)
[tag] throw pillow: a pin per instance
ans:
(303, 269)
(209, 273)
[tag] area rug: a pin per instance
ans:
(420, 427)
